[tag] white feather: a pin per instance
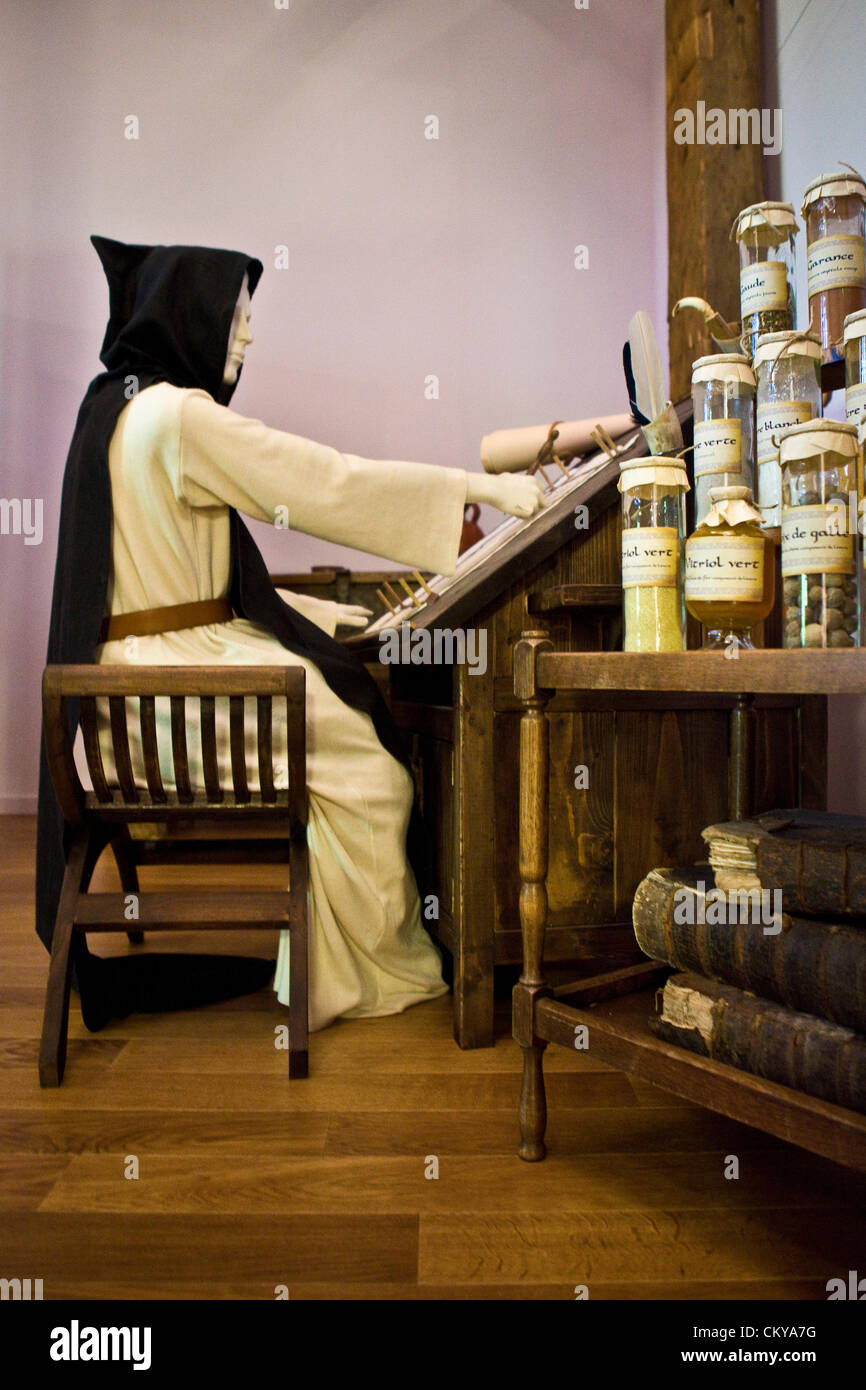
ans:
(646, 364)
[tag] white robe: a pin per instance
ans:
(178, 461)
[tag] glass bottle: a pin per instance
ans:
(834, 207)
(765, 235)
(819, 535)
(854, 344)
(723, 397)
(730, 570)
(788, 371)
(653, 531)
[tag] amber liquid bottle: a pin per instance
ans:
(730, 570)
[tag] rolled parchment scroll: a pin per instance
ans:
(508, 451)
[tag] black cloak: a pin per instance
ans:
(170, 315)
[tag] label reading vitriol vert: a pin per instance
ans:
(772, 419)
(835, 262)
(717, 446)
(816, 540)
(763, 286)
(855, 404)
(650, 557)
(725, 567)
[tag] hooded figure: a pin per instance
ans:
(156, 475)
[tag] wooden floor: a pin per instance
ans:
(248, 1181)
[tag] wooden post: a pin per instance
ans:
(712, 56)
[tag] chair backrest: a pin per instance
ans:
(84, 685)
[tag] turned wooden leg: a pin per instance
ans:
(534, 808)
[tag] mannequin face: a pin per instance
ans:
(239, 335)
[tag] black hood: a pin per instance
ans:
(170, 315)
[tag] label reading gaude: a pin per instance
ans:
(717, 446)
(816, 540)
(835, 263)
(650, 557)
(725, 567)
(763, 286)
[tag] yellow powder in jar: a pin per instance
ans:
(653, 619)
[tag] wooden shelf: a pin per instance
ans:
(619, 1034)
(812, 672)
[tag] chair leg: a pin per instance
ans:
(55, 1020)
(124, 857)
(298, 982)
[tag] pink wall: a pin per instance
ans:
(408, 257)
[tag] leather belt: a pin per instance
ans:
(148, 622)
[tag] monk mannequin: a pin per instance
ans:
(181, 466)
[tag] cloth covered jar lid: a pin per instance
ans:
(662, 469)
(786, 344)
(833, 185)
(776, 221)
(723, 366)
(813, 437)
(854, 326)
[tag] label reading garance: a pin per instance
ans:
(835, 263)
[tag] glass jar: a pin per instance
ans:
(834, 207)
(788, 371)
(723, 397)
(765, 235)
(819, 535)
(653, 531)
(854, 344)
(730, 570)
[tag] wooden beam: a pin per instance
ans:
(713, 56)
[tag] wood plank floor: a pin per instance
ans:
(246, 1181)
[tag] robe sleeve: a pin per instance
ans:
(410, 513)
(321, 611)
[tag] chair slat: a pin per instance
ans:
(120, 740)
(92, 750)
(238, 747)
(264, 708)
(179, 750)
(210, 764)
(150, 748)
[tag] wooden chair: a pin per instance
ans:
(272, 821)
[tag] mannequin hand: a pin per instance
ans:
(516, 494)
(353, 615)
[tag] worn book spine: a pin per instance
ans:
(817, 859)
(793, 1049)
(816, 967)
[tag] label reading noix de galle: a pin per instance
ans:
(717, 446)
(725, 567)
(816, 540)
(650, 557)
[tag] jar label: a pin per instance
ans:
(855, 403)
(772, 419)
(835, 263)
(717, 446)
(725, 567)
(763, 285)
(650, 557)
(816, 540)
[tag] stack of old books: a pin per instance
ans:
(771, 940)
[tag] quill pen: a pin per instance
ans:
(646, 387)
